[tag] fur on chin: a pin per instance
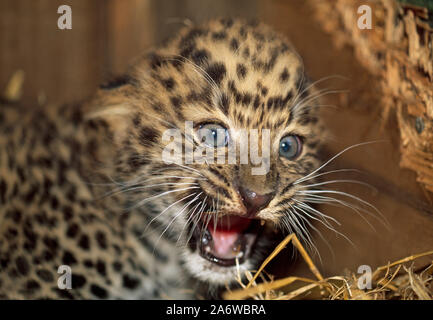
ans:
(211, 273)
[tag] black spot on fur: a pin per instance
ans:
(246, 53)
(157, 107)
(176, 102)
(48, 255)
(100, 267)
(16, 216)
(64, 294)
(31, 239)
(217, 72)
(78, 281)
(256, 103)
(227, 22)
(32, 285)
(54, 203)
(98, 291)
(3, 189)
(117, 266)
(116, 82)
(224, 103)
(199, 57)
(137, 120)
(156, 61)
(130, 282)
(88, 263)
(101, 240)
(84, 242)
(177, 105)
(45, 275)
(30, 195)
(147, 135)
(136, 161)
(11, 233)
(22, 265)
(243, 32)
(168, 84)
(219, 35)
(51, 243)
(241, 71)
(284, 76)
(68, 258)
(270, 102)
(288, 97)
(72, 230)
(190, 37)
(234, 44)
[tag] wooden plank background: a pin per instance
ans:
(67, 65)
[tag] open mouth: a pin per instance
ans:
(228, 239)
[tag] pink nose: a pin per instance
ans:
(253, 201)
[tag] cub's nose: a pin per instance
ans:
(253, 201)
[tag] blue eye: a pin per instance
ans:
(290, 147)
(213, 135)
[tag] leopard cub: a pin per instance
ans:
(180, 174)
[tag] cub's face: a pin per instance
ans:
(238, 91)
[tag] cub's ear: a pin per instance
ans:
(113, 106)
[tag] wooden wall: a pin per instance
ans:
(65, 65)
(68, 65)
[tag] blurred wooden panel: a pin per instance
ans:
(64, 65)
(106, 35)
(171, 14)
(135, 26)
(130, 31)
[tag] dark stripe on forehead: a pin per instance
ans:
(189, 38)
(156, 61)
(147, 135)
(219, 35)
(177, 106)
(224, 103)
(241, 71)
(227, 22)
(168, 83)
(301, 80)
(219, 175)
(217, 72)
(200, 57)
(117, 82)
(234, 44)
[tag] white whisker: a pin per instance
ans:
(334, 157)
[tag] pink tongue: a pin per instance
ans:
(226, 234)
(224, 242)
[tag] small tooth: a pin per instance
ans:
(207, 248)
(236, 249)
(262, 222)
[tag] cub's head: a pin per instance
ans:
(216, 133)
